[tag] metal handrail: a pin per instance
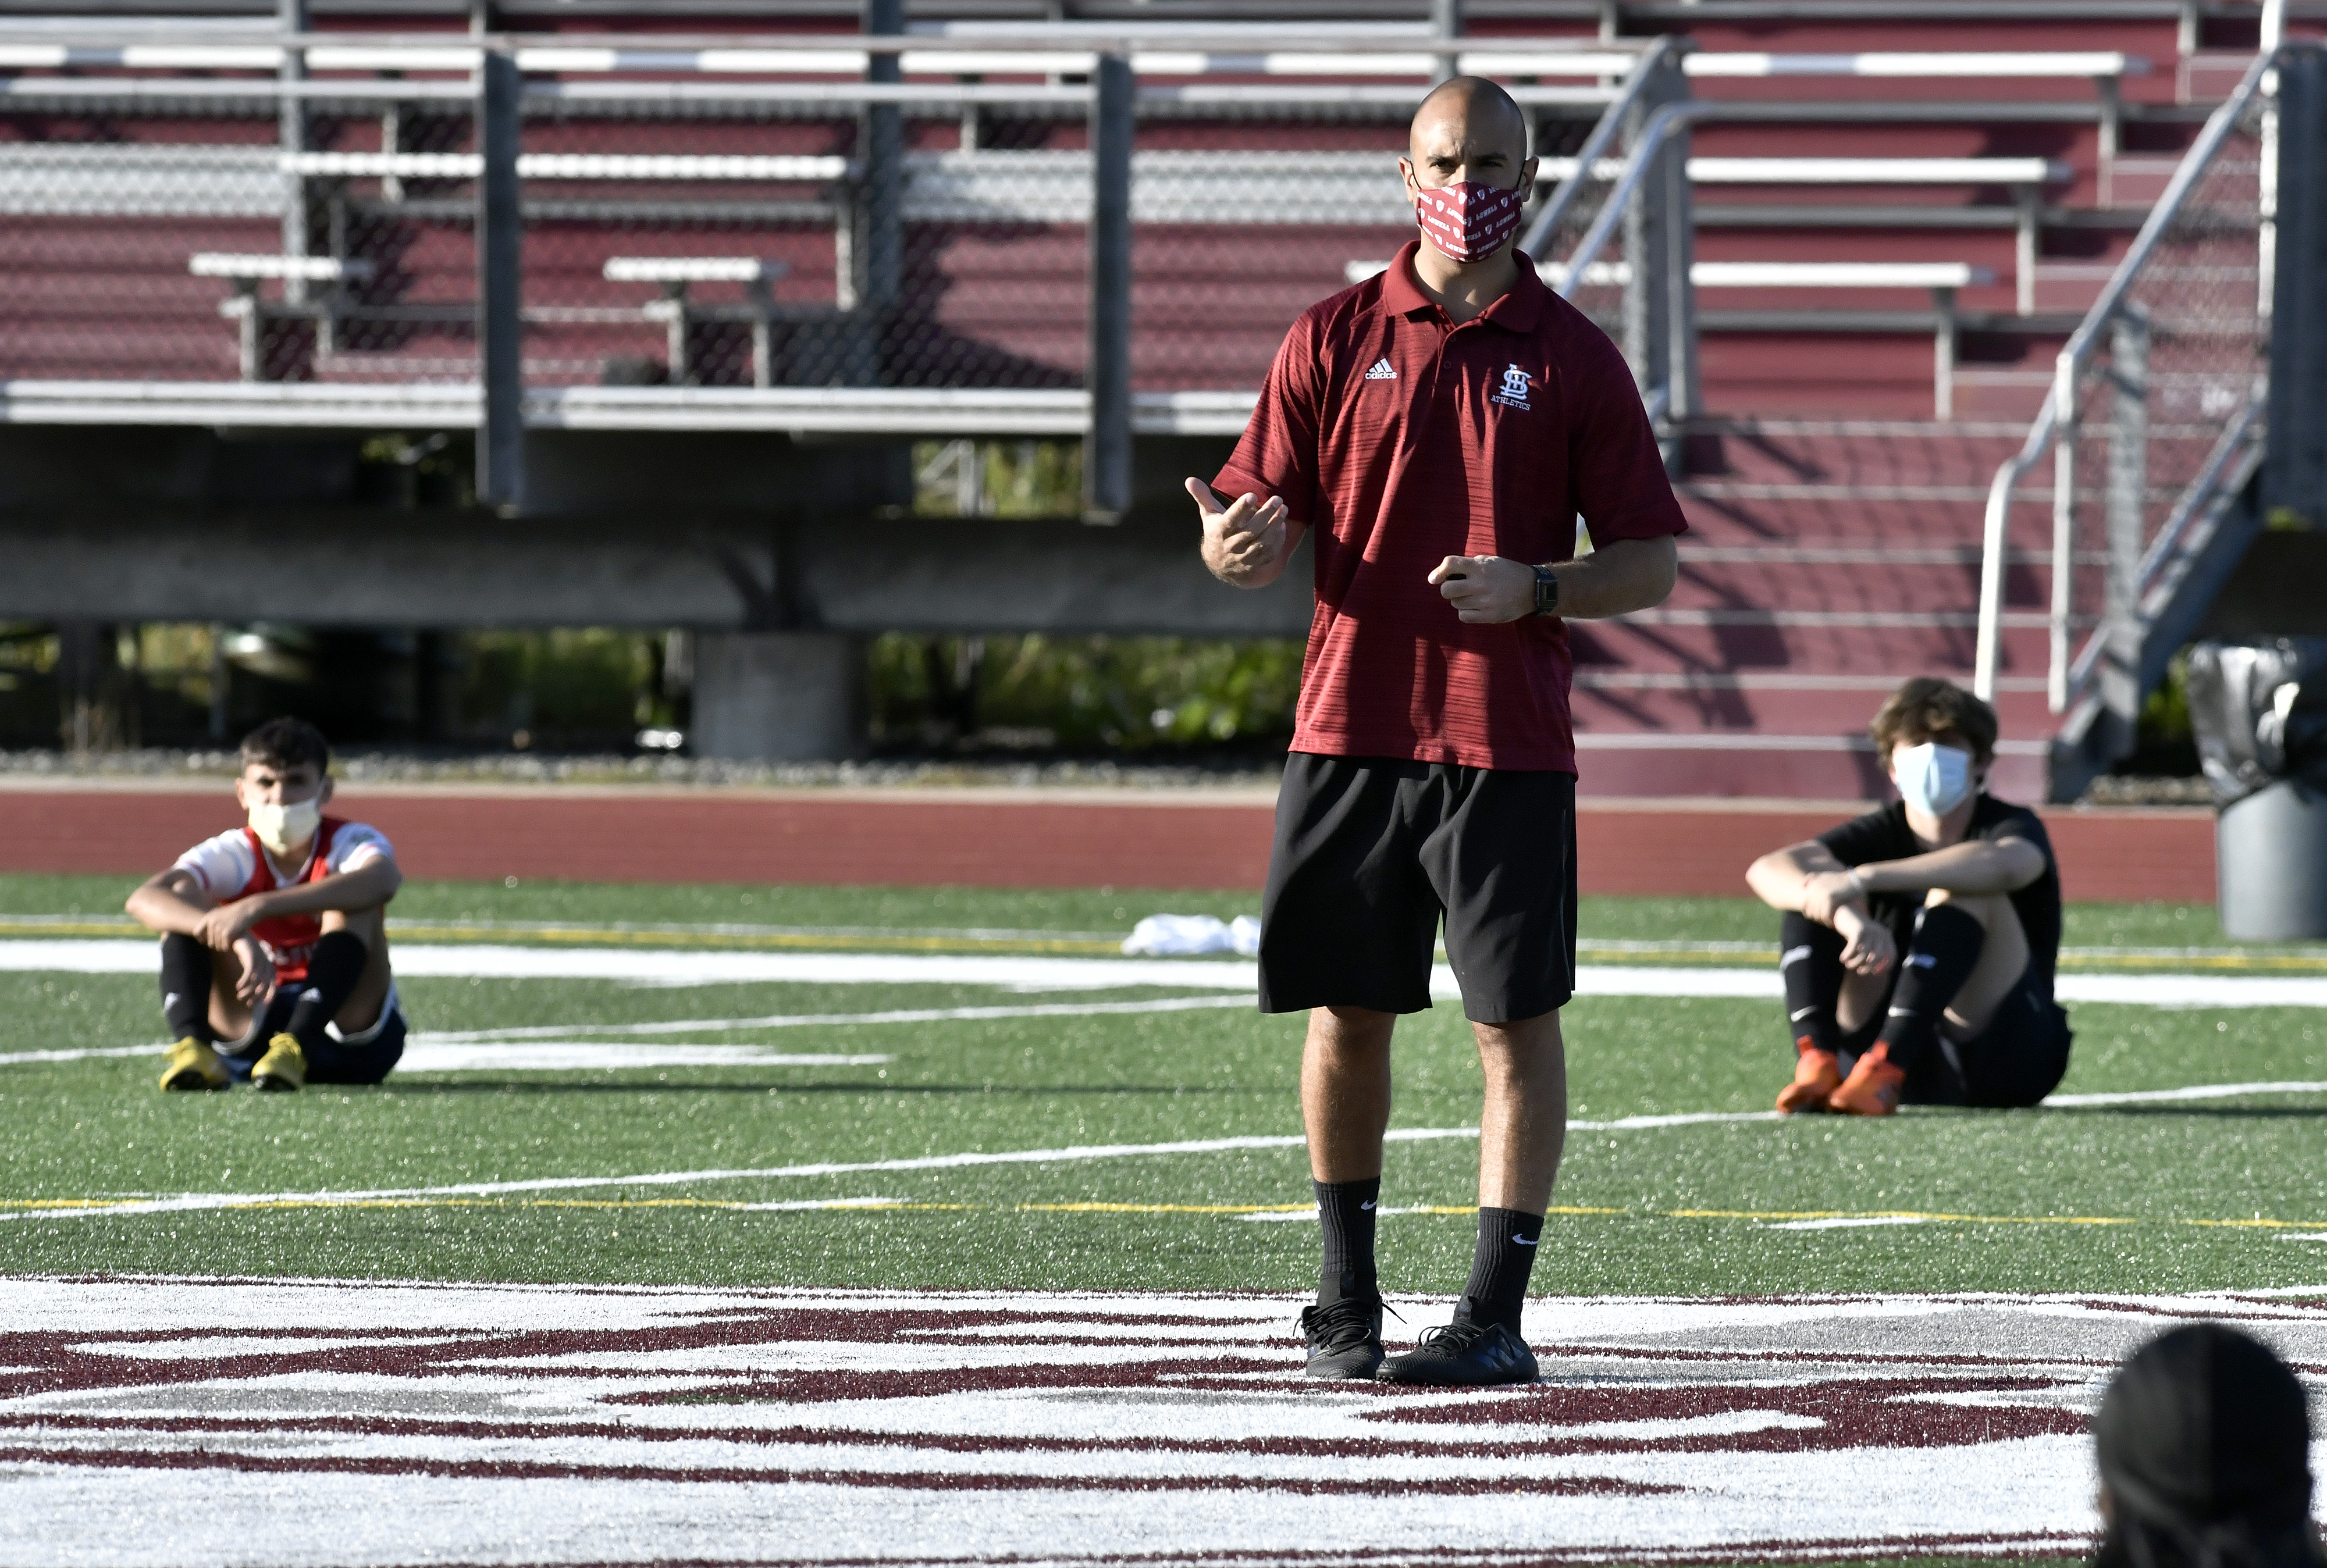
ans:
(2059, 409)
(1642, 155)
(1595, 146)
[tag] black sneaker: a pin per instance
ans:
(1344, 1337)
(1464, 1354)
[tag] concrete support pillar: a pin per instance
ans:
(779, 696)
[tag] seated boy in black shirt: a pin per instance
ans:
(1919, 941)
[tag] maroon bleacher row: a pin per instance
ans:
(1836, 523)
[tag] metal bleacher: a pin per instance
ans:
(1842, 242)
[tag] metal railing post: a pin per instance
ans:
(876, 248)
(1106, 449)
(1649, 241)
(1445, 22)
(500, 235)
(2294, 472)
(2064, 532)
(2128, 491)
(1680, 287)
(291, 16)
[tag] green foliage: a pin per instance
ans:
(1091, 692)
(998, 479)
(2165, 716)
(588, 681)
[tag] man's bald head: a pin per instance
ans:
(1473, 110)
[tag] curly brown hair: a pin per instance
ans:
(1928, 708)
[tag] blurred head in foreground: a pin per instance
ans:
(2204, 1446)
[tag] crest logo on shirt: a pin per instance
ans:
(1513, 392)
(1380, 371)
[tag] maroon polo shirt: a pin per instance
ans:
(1400, 438)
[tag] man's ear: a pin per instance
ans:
(1527, 181)
(240, 785)
(1406, 172)
(323, 795)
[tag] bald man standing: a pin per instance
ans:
(1438, 430)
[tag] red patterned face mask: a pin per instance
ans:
(1466, 221)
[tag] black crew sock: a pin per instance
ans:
(1345, 1212)
(1810, 967)
(1499, 1267)
(333, 967)
(1938, 959)
(187, 971)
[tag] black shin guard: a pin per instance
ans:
(1345, 1212)
(1500, 1266)
(333, 969)
(187, 972)
(1810, 965)
(1940, 958)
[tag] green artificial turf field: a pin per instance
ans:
(2161, 1196)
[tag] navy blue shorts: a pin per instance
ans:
(362, 1058)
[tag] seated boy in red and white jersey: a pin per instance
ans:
(274, 935)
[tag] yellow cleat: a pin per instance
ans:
(194, 1066)
(283, 1068)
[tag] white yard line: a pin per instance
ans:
(894, 1015)
(658, 967)
(202, 1201)
(2193, 1092)
(1070, 1154)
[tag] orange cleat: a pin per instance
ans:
(1873, 1088)
(1816, 1075)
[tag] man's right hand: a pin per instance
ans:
(1244, 543)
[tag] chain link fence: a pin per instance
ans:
(2168, 413)
(770, 238)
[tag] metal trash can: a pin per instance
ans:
(2260, 712)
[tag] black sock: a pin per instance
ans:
(1810, 965)
(1938, 959)
(1345, 1212)
(1499, 1267)
(333, 968)
(187, 970)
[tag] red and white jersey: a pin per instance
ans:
(234, 865)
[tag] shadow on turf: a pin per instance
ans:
(2233, 1113)
(659, 1087)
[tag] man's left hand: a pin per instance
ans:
(1486, 590)
(221, 928)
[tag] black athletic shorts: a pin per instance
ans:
(2016, 1060)
(1371, 852)
(355, 1059)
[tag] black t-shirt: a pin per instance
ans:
(1884, 834)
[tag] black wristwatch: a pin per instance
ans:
(1546, 591)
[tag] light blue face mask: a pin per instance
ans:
(1931, 776)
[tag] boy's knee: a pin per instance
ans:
(365, 925)
(1985, 908)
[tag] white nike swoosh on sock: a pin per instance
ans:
(1797, 1017)
(1523, 1241)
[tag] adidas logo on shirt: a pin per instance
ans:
(1381, 371)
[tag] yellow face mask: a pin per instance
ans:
(288, 826)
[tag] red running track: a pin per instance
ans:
(991, 838)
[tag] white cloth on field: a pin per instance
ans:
(1181, 935)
